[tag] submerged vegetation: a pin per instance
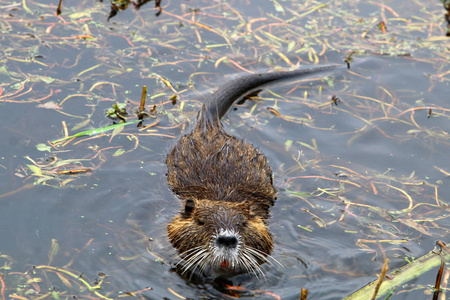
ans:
(86, 66)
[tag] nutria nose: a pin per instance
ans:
(227, 241)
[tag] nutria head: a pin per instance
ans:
(221, 238)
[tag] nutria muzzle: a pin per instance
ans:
(227, 240)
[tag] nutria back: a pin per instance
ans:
(216, 166)
(227, 188)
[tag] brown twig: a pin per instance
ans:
(437, 284)
(380, 279)
(58, 9)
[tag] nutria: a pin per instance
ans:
(227, 188)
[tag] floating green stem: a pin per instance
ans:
(95, 131)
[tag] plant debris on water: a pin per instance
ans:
(90, 66)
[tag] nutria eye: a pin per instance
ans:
(200, 222)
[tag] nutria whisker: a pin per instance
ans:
(190, 252)
(204, 265)
(193, 258)
(266, 257)
(252, 265)
(227, 188)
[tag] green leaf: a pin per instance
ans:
(96, 131)
(403, 275)
(36, 170)
(46, 79)
(53, 251)
(299, 193)
(44, 147)
(278, 6)
(119, 152)
(291, 46)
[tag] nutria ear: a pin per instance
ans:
(189, 208)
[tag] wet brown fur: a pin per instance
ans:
(228, 179)
(227, 188)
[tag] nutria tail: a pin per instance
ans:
(220, 101)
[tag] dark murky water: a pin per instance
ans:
(325, 226)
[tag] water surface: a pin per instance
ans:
(349, 175)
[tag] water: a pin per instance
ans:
(332, 232)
